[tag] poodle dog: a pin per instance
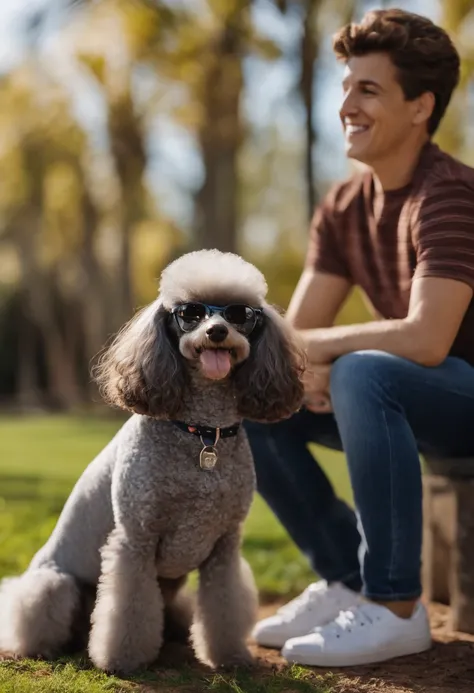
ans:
(171, 490)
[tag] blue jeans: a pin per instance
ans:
(386, 411)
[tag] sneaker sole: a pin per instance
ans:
(275, 643)
(324, 661)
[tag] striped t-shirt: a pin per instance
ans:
(380, 243)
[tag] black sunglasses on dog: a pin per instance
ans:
(242, 317)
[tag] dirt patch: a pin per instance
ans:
(447, 668)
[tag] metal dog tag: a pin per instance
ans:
(208, 457)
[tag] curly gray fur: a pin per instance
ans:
(144, 514)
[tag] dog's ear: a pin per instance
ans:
(142, 370)
(269, 383)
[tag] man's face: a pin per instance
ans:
(375, 115)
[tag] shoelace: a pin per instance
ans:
(347, 620)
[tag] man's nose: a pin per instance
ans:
(349, 105)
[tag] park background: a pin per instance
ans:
(132, 131)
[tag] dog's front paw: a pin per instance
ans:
(242, 658)
(121, 655)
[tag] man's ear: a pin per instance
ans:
(423, 107)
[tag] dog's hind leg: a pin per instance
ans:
(37, 612)
(82, 622)
(179, 609)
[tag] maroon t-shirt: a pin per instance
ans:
(382, 242)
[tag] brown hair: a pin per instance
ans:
(422, 52)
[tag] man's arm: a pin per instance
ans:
(425, 336)
(317, 299)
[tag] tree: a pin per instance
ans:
(220, 129)
(201, 54)
(45, 228)
(457, 19)
(319, 18)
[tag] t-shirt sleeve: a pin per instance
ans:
(324, 252)
(444, 239)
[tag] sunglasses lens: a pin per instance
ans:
(242, 317)
(189, 315)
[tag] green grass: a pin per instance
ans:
(40, 460)
(75, 676)
(58, 677)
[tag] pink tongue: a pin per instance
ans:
(215, 363)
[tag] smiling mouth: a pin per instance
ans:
(352, 130)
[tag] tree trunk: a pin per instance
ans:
(220, 137)
(63, 386)
(308, 55)
(95, 297)
(27, 385)
(128, 151)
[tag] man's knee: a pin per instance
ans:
(360, 371)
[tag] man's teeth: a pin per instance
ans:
(354, 129)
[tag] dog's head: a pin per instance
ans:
(210, 322)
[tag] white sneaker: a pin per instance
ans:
(319, 604)
(363, 635)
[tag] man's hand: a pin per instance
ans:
(316, 386)
(317, 344)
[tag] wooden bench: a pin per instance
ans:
(448, 537)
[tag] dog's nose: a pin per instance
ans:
(217, 333)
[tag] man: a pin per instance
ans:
(402, 230)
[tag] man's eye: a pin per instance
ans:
(368, 91)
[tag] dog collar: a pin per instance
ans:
(209, 438)
(209, 435)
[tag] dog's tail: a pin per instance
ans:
(37, 610)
